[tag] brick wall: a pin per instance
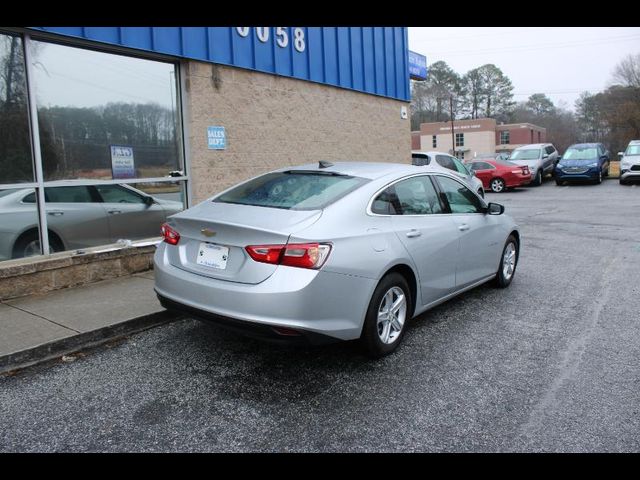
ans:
(273, 121)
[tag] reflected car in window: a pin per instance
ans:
(79, 217)
(333, 252)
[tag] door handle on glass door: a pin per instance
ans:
(413, 233)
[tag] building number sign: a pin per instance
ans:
(282, 36)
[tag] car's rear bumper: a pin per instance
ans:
(519, 181)
(310, 301)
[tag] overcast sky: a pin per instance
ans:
(560, 62)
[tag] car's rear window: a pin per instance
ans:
(293, 190)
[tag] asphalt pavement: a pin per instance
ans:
(550, 364)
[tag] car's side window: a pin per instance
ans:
(446, 161)
(481, 166)
(80, 194)
(459, 166)
(413, 196)
(460, 198)
(386, 203)
(117, 194)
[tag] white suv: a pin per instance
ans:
(444, 160)
(630, 162)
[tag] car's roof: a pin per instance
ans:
(429, 152)
(589, 144)
(634, 142)
(532, 146)
(370, 170)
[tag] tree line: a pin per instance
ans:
(611, 116)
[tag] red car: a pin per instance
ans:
(499, 175)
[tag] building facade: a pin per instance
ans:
(473, 137)
(96, 116)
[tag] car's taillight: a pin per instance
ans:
(170, 235)
(302, 255)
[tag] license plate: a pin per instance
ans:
(214, 256)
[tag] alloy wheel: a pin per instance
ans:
(392, 314)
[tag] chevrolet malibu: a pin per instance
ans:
(333, 252)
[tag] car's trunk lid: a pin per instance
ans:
(212, 231)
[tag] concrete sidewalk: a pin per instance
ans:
(43, 327)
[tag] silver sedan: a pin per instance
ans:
(323, 251)
(79, 217)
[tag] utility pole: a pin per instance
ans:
(453, 137)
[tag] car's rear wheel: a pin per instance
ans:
(508, 263)
(390, 308)
(28, 245)
(538, 180)
(497, 185)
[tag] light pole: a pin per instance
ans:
(453, 137)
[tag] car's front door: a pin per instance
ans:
(480, 237)
(429, 235)
(129, 216)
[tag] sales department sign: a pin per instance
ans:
(216, 138)
(122, 163)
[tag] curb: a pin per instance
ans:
(53, 350)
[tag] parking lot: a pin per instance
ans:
(550, 364)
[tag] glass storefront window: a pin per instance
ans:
(19, 231)
(104, 116)
(16, 165)
(89, 216)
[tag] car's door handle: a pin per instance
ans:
(114, 212)
(413, 233)
(55, 213)
(464, 227)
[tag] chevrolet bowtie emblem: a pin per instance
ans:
(207, 232)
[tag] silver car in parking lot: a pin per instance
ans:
(79, 216)
(444, 160)
(322, 251)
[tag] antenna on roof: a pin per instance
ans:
(324, 164)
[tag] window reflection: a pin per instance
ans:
(89, 102)
(89, 216)
(19, 233)
(15, 149)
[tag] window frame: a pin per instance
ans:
(369, 210)
(39, 183)
(505, 134)
(459, 139)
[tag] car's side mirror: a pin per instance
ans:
(546, 155)
(621, 154)
(495, 209)
(148, 201)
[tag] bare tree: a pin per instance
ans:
(627, 72)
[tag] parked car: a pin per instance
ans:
(583, 161)
(541, 158)
(490, 156)
(630, 162)
(498, 175)
(333, 252)
(444, 160)
(79, 217)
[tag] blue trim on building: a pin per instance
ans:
(367, 59)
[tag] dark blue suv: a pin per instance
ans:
(583, 161)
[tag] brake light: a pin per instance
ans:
(171, 236)
(301, 255)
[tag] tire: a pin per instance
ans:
(497, 185)
(599, 179)
(622, 182)
(538, 180)
(28, 245)
(559, 182)
(510, 254)
(379, 337)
